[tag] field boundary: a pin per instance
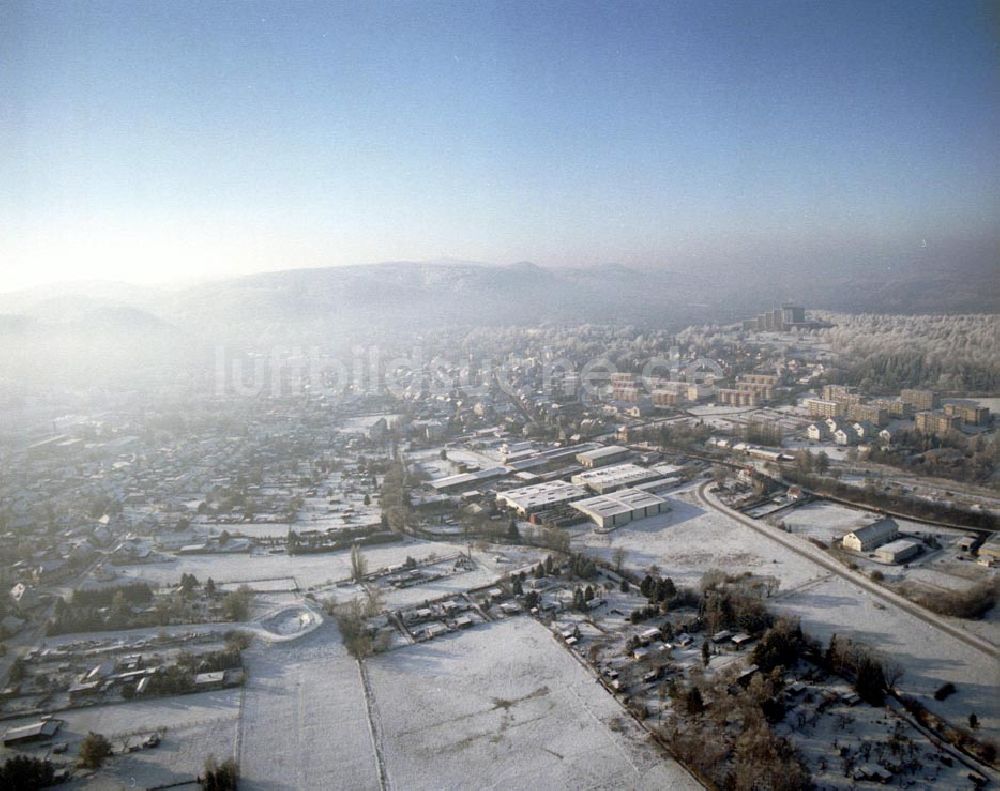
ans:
(373, 730)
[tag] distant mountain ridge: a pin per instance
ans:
(311, 303)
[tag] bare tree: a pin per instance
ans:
(359, 565)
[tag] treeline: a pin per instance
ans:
(132, 593)
(304, 545)
(890, 372)
(96, 609)
(949, 353)
(973, 602)
(178, 679)
(394, 499)
(26, 773)
(672, 435)
(897, 503)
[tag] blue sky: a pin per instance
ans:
(144, 141)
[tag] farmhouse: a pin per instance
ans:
(869, 537)
(609, 511)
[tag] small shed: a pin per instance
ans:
(40, 731)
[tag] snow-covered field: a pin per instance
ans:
(834, 452)
(929, 657)
(829, 522)
(430, 460)
(825, 521)
(504, 706)
(308, 570)
(196, 726)
(304, 723)
(689, 540)
(486, 573)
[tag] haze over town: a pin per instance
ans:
(444, 395)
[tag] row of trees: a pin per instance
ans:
(26, 773)
(973, 602)
(219, 777)
(395, 500)
(873, 675)
(888, 501)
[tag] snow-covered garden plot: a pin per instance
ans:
(506, 706)
(689, 540)
(928, 656)
(304, 722)
(196, 725)
(869, 735)
(454, 583)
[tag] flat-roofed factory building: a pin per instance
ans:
(529, 500)
(617, 476)
(600, 457)
(609, 511)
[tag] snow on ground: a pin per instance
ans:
(504, 706)
(196, 725)
(486, 573)
(713, 409)
(689, 540)
(833, 452)
(305, 724)
(824, 521)
(291, 622)
(431, 461)
(308, 570)
(364, 422)
(928, 656)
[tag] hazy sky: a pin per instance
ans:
(144, 140)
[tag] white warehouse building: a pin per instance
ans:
(618, 476)
(609, 511)
(528, 500)
(899, 550)
(598, 457)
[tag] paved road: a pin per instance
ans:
(818, 557)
